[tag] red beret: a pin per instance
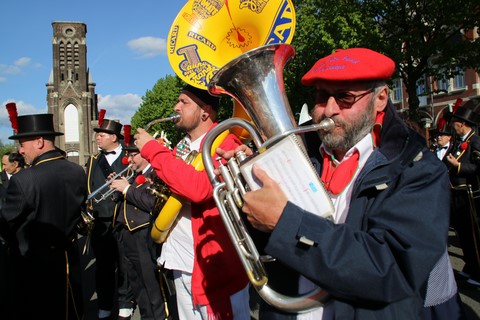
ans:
(355, 64)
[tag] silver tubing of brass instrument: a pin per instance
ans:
(107, 184)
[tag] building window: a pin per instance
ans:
(396, 93)
(71, 124)
(443, 85)
(458, 81)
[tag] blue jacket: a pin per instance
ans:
(376, 264)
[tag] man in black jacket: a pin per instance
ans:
(133, 216)
(464, 161)
(109, 269)
(42, 210)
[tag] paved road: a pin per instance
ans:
(470, 295)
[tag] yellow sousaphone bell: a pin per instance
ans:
(207, 34)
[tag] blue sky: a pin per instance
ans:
(126, 51)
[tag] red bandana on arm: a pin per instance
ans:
(337, 177)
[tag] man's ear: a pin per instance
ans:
(381, 99)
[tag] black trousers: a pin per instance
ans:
(463, 220)
(40, 281)
(110, 277)
(138, 255)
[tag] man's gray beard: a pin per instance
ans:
(354, 132)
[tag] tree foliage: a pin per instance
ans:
(426, 38)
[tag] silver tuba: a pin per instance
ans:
(255, 80)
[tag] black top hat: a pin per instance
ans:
(35, 125)
(130, 145)
(443, 128)
(111, 127)
(466, 115)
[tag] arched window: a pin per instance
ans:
(71, 124)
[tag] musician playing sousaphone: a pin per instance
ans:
(209, 278)
(99, 167)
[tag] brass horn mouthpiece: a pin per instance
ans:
(173, 118)
(326, 124)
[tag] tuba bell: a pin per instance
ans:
(255, 81)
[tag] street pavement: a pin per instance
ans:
(470, 295)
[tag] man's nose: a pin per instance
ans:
(331, 108)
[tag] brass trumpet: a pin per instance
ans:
(109, 192)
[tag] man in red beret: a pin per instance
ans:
(390, 194)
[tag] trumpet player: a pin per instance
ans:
(136, 247)
(98, 168)
(391, 200)
(208, 276)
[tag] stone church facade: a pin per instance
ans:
(71, 96)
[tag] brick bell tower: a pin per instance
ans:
(71, 96)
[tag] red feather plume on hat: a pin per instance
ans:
(12, 114)
(441, 124)
(101, 116)
(458, 103)
(127, 129)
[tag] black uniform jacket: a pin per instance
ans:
(468, 154)
(97, 169)
(134, 211)
(43, 204)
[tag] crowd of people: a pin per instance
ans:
(382, 255)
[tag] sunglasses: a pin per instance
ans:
(345, 100)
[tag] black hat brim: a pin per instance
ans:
(35, 134)
(109, 132)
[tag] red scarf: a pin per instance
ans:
(337, 177)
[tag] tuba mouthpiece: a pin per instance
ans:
(326, 124)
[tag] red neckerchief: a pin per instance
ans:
(337, 177)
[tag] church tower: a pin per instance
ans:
(71, 94)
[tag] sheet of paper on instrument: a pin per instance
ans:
(286, 163)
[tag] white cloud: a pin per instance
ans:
(23, 62)
(148, 47)
(17, 67)
(5, 69)
(120, 107)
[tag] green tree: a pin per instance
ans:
(426, 38)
